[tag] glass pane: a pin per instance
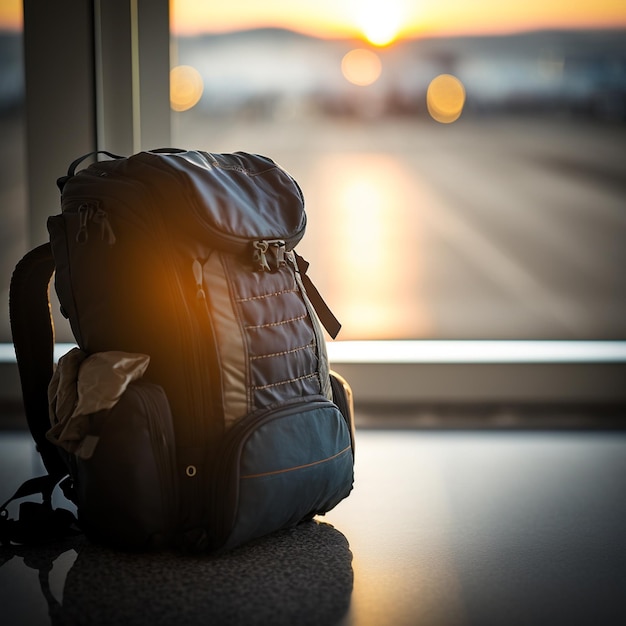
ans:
(461, 181)
(13, 229)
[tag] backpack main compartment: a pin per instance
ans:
(188, 257)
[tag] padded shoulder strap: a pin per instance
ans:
(33, 338)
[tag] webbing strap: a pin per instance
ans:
(326, 316)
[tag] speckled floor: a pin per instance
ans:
(444, 527)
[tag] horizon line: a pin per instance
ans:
(425, 34)
(411, 36)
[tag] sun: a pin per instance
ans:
(380, 21)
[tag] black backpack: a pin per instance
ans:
(198, 408)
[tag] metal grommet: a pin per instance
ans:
(191, 470)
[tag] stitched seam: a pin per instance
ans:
(267, 295)
(282, 353)
(283, 382)
(292, 469)
(270, 324)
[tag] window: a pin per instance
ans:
(459, 186)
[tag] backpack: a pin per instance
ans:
(198, 409)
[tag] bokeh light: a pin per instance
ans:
(186, 87)
(445, 98)
(361, 67)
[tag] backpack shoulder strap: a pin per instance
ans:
(33, 338)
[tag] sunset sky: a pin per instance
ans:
(379, 20)
(403, 17)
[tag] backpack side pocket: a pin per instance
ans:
(126, 492)
(343, 398)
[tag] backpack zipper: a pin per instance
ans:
(163, 455)
(272, 248)
(91, 212)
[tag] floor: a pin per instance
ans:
(445, 527)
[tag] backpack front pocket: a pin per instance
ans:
(281, 468)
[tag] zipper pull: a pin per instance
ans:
(89, 212)
(83, 218)
(279, 252)
(258, 256)
(197, 275)
(106, 231)
(274, 248)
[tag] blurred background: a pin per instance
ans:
(463, 164)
